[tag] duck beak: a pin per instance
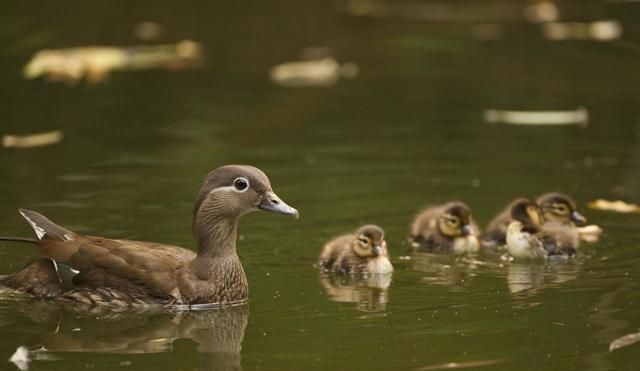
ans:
(271, 202)
(578, 218)
(377, 249)
(467, 230)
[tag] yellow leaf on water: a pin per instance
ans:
(33, 140)
(617, 206)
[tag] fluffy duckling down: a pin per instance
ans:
(363, 251)
(528, 236)
(447, 228)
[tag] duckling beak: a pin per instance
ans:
(467, 230)
(377, 249)
(271, 202)
(578, 218)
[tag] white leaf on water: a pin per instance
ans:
(459, 365)
(21, 358)
(624, 341)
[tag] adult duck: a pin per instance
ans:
(98, 270)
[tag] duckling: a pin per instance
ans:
(364, 251)
(132, 273)
(557, 208)
(562, 217)
(522, 233)
(560, 208)
(447, 228)
(528, 237)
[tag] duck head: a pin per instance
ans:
(560, 208)
(369, 241)
(455, 220)
(527, 212)
(231, 191)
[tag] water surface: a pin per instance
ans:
(407, 132)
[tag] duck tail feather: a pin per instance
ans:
(45, 227)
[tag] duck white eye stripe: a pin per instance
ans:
(225, 188)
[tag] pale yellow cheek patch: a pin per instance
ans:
(534, 215)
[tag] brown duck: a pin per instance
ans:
(447, 228)
(364, 251)
(98, 270)
(529, 235)
(559, 210)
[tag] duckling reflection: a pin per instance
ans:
(217, 333)
(369, 292)
(454, 272)
(447, 228)
(528, 279)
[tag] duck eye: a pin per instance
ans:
(363, 241)
(240, 184)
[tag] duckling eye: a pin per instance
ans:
(453, 221)
(363, 241)
(241, 184)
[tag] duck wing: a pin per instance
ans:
(134, 267)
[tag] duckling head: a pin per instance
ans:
(369, 241)
(455, 220)
(560, 208)
(231, 191)
(527, 212)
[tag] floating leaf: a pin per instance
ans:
(624, 341)
(617, 206)
(94, 63)
(33, 140)
(21, 358)
(579, 116)
(457, 365)
(323, 72)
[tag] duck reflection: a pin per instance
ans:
(369, 292)
(446, 270)
(217, 333)
(528, 279)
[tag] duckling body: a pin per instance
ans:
(496, 234)
(523, 242)
(98, 270)
(446, 228)
(364, 251)
(528, 236)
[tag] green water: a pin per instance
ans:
(408, 131)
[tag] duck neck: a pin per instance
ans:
(216, 236)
